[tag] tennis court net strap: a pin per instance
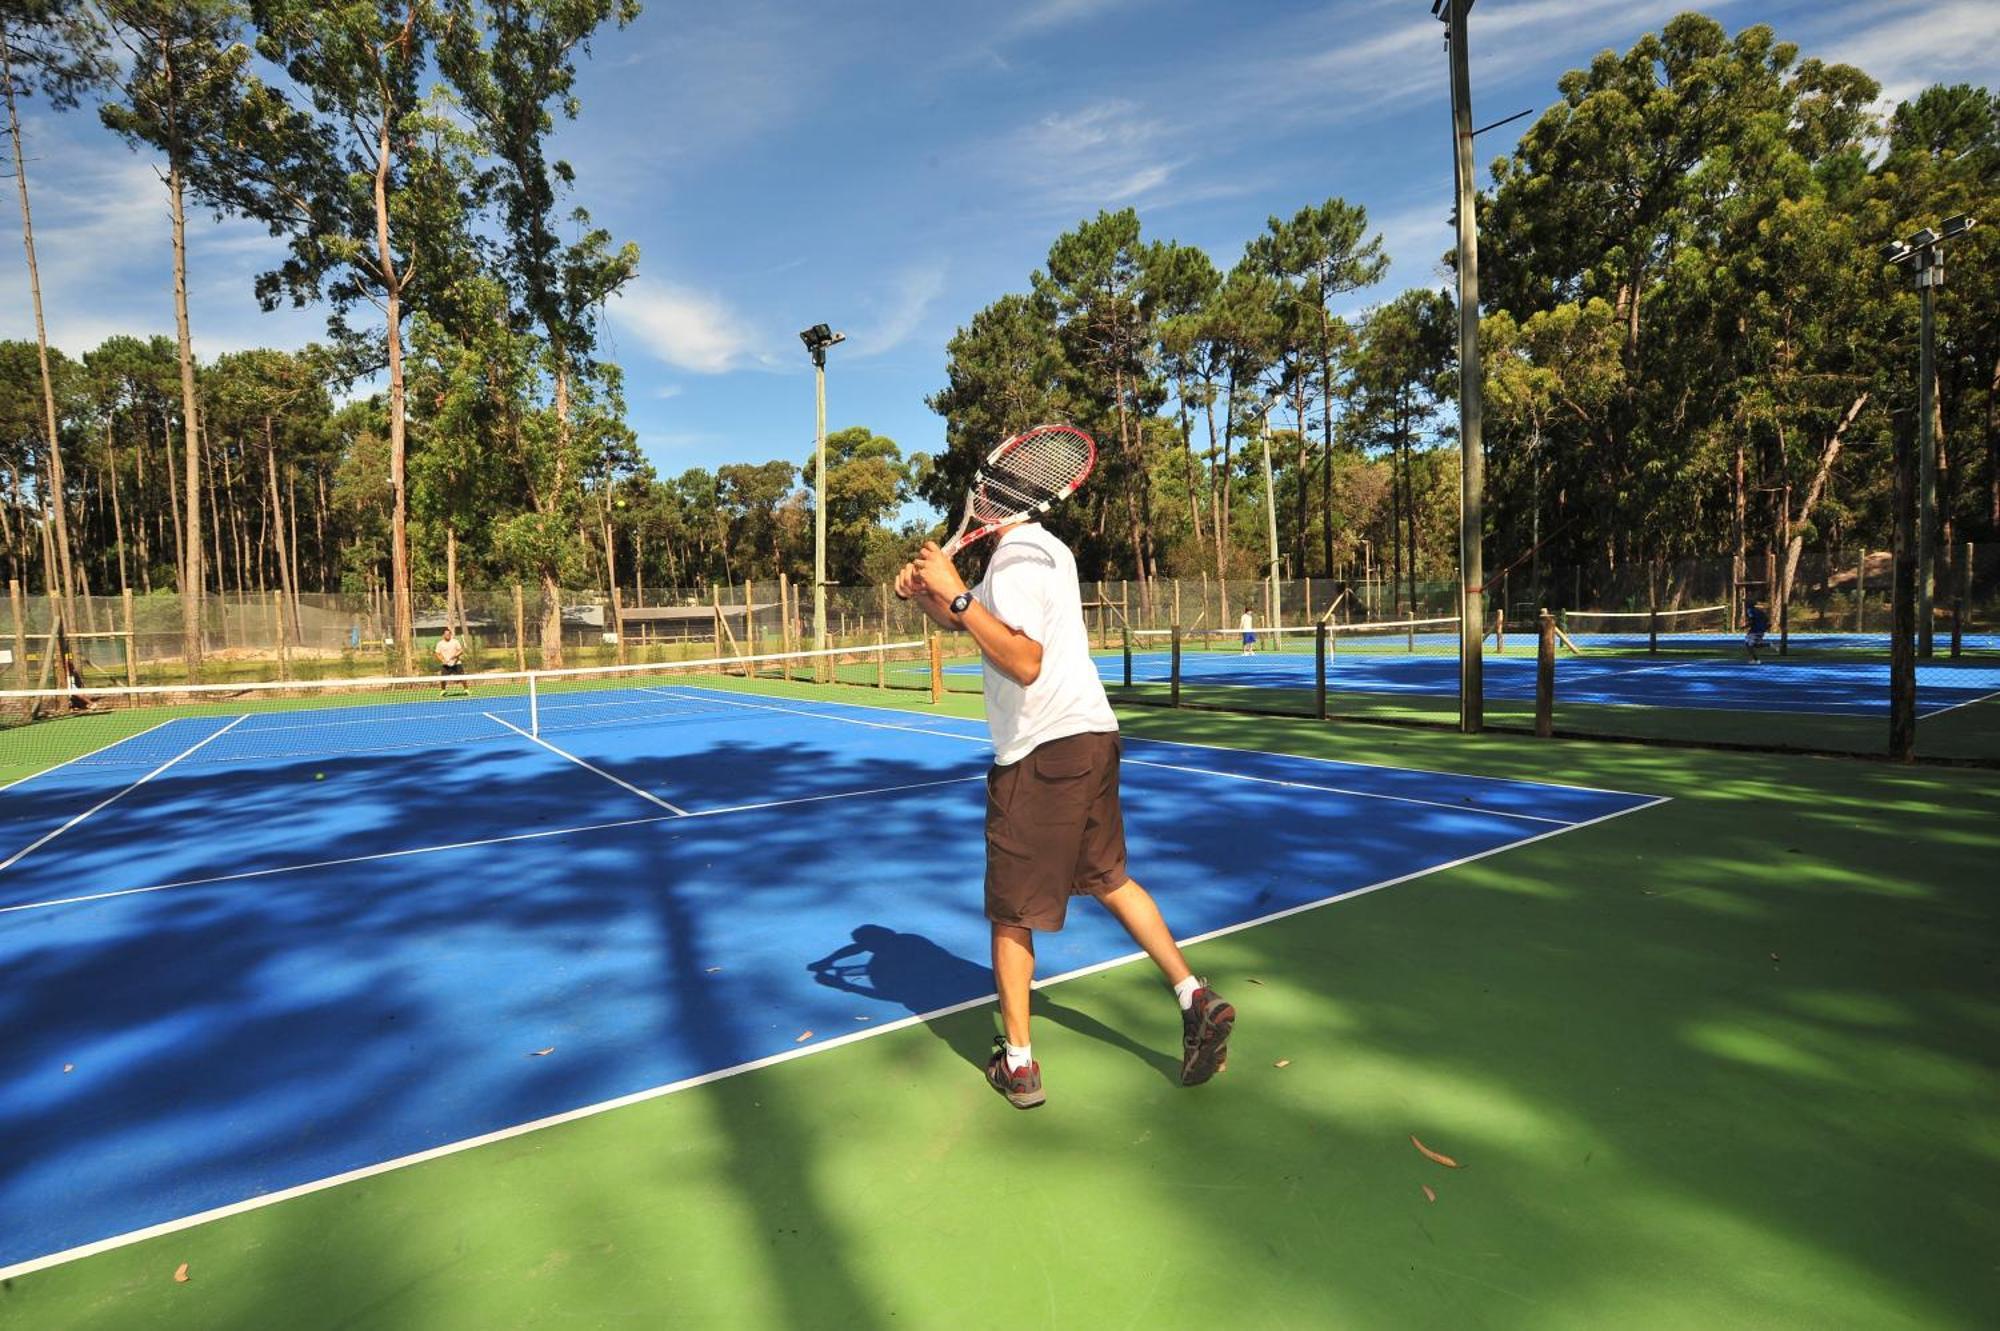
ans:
(1431, 636)
(150, 725)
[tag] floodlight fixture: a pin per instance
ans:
(1923, 238)
(1958, 226)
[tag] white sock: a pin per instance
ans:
(1185, 991)
(1019, 1056)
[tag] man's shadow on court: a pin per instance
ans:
(913, 973)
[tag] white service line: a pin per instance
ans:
(1343, 790)
(837, 795)
(1984, 697)
(19, 855)
(90, 753)
(336, 863)
(687, 1083)
(617, 781)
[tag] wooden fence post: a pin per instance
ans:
(520, 629)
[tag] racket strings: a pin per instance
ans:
(1045, 466)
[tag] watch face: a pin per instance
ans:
(961, 603)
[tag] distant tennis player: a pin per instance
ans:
(451, 661)
(1249, 632)
(1054, 828)
(1756, 623)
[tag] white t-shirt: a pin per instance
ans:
(1030, 584)
(450, 651)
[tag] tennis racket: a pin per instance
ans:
(1026, 475)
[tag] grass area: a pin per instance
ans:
(1729, 1061)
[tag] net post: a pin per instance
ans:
(881, 661)
(16, 602)
(131, 640)
(534, 707)
(1653, 608)
(1500, 631)
(937, 667)
(1125, 638)
(1545, 675)
(1319, 671)
(520, 629)
(1174, 673)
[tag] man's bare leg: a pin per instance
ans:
(1132, 906)
(1014, 977)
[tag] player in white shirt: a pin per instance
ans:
(450, 654)
(1054, 827)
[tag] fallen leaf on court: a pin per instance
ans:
(1256, 982)
(711, 970)
(864, 1018)
(1429, 1154)
(1774, 956)
(1429, 1196)
(181, 1274)
(543, 1053)
(69, 1067)
(803, 1037)
(1282, 1063)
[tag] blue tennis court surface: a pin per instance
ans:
(1778, 684)
(235, 968)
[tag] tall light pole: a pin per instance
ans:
(1472, 452)
(1924, 252)
(817, 339)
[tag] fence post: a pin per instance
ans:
(1174, 674)
(1961, 589)
(1861, 591)
(1545, 675)
(1125, 638)
(131, 640)
(17, 602)
(618, 622)
(881, 661)
(937, 668)
(1500, 631)
(284, 645)
(520, 630)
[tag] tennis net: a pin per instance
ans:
(1698, 626)
(146, 726)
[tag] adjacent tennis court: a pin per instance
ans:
(239, 967)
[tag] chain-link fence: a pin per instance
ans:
(1655, 652)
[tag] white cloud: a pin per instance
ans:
(687, 329)
(911, 294)
(1102, 155)
(1909, 49)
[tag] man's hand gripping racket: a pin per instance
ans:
(1022, 478)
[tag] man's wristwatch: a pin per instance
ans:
(961, 602)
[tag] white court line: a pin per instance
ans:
(753, 1065)
(466, 845)
(1341, 790)
(617, 781)
(1223, 748)
(90, 753)
(19, 855)
(1984, 697)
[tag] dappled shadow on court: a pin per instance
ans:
(1660, 1122)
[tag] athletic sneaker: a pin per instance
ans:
(1205, 1027)
(1022, 1086)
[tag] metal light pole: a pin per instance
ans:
(1472, 453)
(1924, 252)
(817, 339)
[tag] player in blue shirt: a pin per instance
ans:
(1756, 623)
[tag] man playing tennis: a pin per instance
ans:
(1053, 824)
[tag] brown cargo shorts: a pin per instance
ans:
(1053, 830)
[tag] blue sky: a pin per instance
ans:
(891, 168)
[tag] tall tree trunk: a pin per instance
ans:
(61, 582)
(287, 586)
(193, 582)
(392, 285)
(117, 515)
(1828, 453)
(451, 606)
(1739, 531)
(1325, 437)
(552, 644)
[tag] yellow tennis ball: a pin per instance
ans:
(319, 776)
